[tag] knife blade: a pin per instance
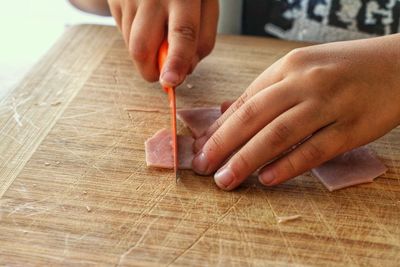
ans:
(162, 55)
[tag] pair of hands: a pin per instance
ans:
(305, 109)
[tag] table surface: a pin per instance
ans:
(75, 189)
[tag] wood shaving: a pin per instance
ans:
(284, 219)
(89, 209)
(56, 103)
(190, 86)
(41, 104)
(58, 162)
(84, 192)
(145, 110)
(46, 164)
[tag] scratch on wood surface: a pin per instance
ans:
(11, 137)
(80, 115)
(66, 244)
(145, 212)
(283, 219)
(244, 240)
(14, 105)
(330, 229)
(287, 243)
(29, 206)
(151, 110)
(137, 243)
(371, 215)
(203, 233)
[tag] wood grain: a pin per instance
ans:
(76, 191)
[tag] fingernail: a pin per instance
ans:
(224, 177)
(200, 164)
(267, 177)
(199, 143)
(170, 78)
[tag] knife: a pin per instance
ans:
(162, 55)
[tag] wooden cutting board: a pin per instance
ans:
(75, 190)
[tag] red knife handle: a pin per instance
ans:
(162, 56)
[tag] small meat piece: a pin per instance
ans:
(159, 150)
(351, 168)
(198, 120)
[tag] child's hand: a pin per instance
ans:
(331, 97)
(191, 26)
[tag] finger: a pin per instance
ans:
(115, 9)
(145, 38)
(321, 147)
(277, 97)
(208, 27)
(208, 31)
(128, 14)
(269, 77)
(183, 29)
(273, 140)
(253, 115)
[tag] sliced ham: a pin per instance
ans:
(357, 166)
(159, 150)
(351, 168)
(198, 120)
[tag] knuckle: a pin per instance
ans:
(279, 134)
(311, 153)
(214, 126)
(290, 166)
(343, 139)
(247, 112)
(186, 31)
(217, 142)
(295, 56)
(317, 75)
(179, 60)
(240, 101)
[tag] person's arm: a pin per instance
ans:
(98, 7)
(311, 105)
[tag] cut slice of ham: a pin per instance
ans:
(198, 120)
(159, 150)
(357, 166)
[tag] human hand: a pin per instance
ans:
(191, 26)
(330, 98)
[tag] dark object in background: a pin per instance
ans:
(375, 17)
(255, 13)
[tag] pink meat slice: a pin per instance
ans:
(357, 166)
(159, 150)
(198, 120)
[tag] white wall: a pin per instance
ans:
(230, 17)
(28, 29)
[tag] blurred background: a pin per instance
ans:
(28, 29)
